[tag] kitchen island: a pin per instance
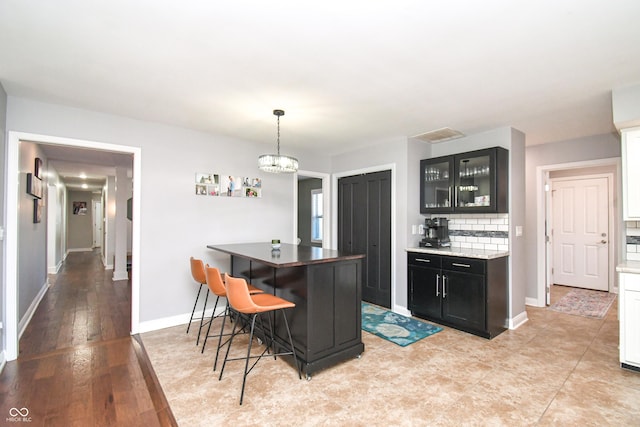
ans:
(325, 286)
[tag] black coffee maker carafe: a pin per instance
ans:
(436, 233)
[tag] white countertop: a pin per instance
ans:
(629, 267)
(463, 252)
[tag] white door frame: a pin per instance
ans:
(542, 174)
(610, 225)
(10, 277)
(97, 218)
(326, 208)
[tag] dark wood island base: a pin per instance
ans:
(326, 287)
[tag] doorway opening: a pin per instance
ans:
(302, 216)
(547, 258)
(10, 279)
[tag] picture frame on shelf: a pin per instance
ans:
(34, 186)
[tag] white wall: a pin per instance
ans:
(32, 261)
(175, 223)
(576, 150)
(79, 227)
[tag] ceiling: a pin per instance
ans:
(348, 73)
(78, 167)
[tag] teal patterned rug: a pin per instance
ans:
(394, 327)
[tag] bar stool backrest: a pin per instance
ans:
(238, 295)
(197, 270)
(214, 280)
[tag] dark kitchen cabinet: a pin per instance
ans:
(424, 290)
(465, 293)
(472, 182)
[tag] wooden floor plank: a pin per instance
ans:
(78, 365)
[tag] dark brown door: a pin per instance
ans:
(364, 227)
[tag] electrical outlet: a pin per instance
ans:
(1, 234)
(414, 229)
(518, 230)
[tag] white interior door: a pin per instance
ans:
(580, 233)
(97, 224)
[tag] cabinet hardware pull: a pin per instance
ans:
(437, 290)
(444, 284)
(460, 265)
(423, 260)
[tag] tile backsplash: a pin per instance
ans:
(479, 231)
(633, 240)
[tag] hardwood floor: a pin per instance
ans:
(78, 365)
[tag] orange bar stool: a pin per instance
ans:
(216, 286)
(198, 274)
(253, 305)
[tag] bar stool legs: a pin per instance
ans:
(270, 345)
(198, 274)
(194, 308)
(253, 305)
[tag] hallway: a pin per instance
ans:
(78, 365)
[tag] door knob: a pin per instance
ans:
(603, 241)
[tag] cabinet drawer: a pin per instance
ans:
(425, 260)
(464, 265)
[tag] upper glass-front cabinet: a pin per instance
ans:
(476, 181)
(436, 187)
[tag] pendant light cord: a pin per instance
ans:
(278, 135)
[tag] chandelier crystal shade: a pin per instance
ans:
(277, 163)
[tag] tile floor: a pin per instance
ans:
(557, 369)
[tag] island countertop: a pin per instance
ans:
(287, 256)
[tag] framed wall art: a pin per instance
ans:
(212, 184)
(34, 185)
(37, 168)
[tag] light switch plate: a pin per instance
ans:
(1, 234)
(518, 230)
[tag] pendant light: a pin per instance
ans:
(277, 163)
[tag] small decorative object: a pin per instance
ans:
(276, 163)
(275, 244)
(34, 186)
(37, 168)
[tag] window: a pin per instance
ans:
(316, 216)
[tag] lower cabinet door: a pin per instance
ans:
(463, 299)
(425, 291)
(631, 335)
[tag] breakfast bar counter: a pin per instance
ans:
(325, 286)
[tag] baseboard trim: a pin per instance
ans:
(519, 320)
(24, 322)
(3, 360)
(533, 302)
(170, 322)
(402, 310)
(55, 269)
(79, 250)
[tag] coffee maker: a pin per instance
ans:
(436, 233)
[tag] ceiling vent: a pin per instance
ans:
(439, 135)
